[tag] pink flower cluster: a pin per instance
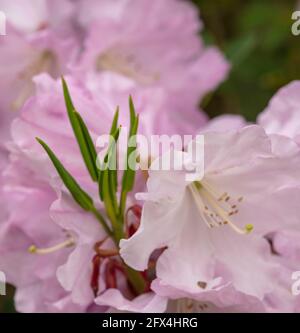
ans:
(228, 242)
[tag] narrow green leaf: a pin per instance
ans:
(132, 115)
(112, 174)
(79, 195)
(107, 188)
(81, 133)
(68, 100)
(89, 143)
(114, 171)
(107, 160)
(129, 173)
(100, 184)
(108, 198)
(114, 125)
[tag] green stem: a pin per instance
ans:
(101, 219)
(134, 277)
(136, 280)
(119, 232)
(122, 205)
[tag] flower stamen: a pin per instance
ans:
(125, 64)
(45, 62)
(212, 208)
(67, 243)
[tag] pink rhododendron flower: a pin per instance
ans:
(282, 116)
(206, 225)
(26, 56)
(37, 40)
(165, 49)
(34, 276)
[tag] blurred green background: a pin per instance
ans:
(256, 37)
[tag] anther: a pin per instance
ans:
(201, 284)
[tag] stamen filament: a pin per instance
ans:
(218, 215)
(248, 228)
(35, 250)
(202, 209)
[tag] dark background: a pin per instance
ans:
(256, 37)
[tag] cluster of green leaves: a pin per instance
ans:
(105, 175)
